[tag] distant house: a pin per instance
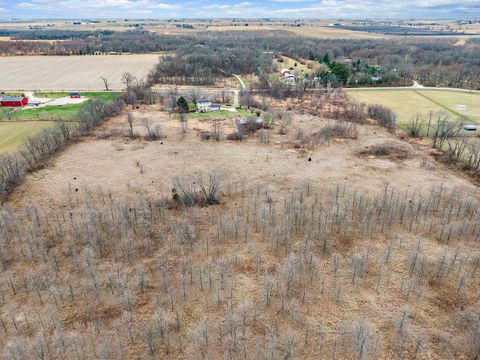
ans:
(290, 80)
(376, 78)
(204, 106)
(13, 101)
(287, 76)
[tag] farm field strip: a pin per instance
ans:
(63, 73)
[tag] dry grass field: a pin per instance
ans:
(319, 251)
(325, 32)
(315, 31)
(43, 73)
(13, 133)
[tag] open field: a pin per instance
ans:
(296, 64)
(12, 134)
(409, 103)
(50, 73)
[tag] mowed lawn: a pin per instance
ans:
(410, 103)
(13, 133)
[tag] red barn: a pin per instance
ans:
(12, 101)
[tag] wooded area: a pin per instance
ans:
(431, 61)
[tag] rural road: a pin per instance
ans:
(415, 87)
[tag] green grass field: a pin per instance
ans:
(220, 114)
(16, 125)
(107, 96)
(12, 134)
(409, 103)
(289, 62)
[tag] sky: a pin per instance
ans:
(328, 9)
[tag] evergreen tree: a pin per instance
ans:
(182, 104)
(326, 59)
(340, 70)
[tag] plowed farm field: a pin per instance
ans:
(58, 73)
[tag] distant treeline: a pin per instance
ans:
(400, 30)
(207, 55)
(44, 34)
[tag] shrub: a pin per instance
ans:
(384, 116)
(354, 112)
(206, 135)
(415, 127)
(388, 149)
(249, 126)
(264, 136)
(236, 136)
(339, 130)
(196, 190)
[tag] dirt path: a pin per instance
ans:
(240, 80)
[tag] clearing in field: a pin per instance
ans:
(301, 67)
(12, 133)
(63, 73)
(409, 103)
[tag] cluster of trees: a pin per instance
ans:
(204, 65)
(449, 137)
(240, 282)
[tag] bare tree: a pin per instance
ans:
(128, 80)
(183, 124)
(105, 83)
(195, 94)
(130, 119)
(282, 118)
(153, 132)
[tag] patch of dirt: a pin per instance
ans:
(127, 167)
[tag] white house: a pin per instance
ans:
(204, 106)
(288, 80)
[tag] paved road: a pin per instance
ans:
(418, 87)
(415, 87)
